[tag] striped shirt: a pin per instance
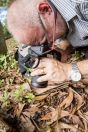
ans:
(75, 13)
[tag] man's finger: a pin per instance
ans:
(38, 72)
(42, 78)
(42, 63)
(35, 63)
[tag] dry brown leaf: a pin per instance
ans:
(64, 114)
(73, 110)
(26, 114)
(41, 97)
(76, 120)
(31, 110)
(67, 101)
(79, 98)
(85, 126)
(18, 109)
(53, 115)
(26, 125)
(86, 76)
(85, 81)
(73, 128)
(85, 115)
(80, 85)
(48, 116)
(82, 116)
(86, 89)
(54, 93)
(80, 101)
(35, 124)
(56, 127)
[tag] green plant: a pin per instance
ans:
(1, 82)
(49, 129)
(5, 99)
(29, 97)
(77, 56)
(3, 62)
(5, 2)
(19, 93)
(28, 69)
(8, 62)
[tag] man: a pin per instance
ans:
(37, 21)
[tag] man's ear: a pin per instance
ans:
(44, 8)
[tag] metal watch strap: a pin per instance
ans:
(75, 73)
(75, 67)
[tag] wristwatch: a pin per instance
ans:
(75, 73)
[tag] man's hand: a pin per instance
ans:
(52, 71)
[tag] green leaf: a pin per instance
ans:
(49, 129)
(29, 97)
(19, 93)
(1, 82)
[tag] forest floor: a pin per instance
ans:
(64, 108)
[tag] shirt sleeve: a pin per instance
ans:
(81, 8)
(79, 35)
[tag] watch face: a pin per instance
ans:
(75, 76)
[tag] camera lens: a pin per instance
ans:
(36, 84)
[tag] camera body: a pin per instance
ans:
(27, 61)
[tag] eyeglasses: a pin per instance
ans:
(44, 26)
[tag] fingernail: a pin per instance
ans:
(32, 74)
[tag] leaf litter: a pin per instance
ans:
(64, 108)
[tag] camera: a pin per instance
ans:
(27, 61)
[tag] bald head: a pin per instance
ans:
(23, 17)
(25, 25)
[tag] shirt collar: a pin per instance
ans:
(66, 8)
